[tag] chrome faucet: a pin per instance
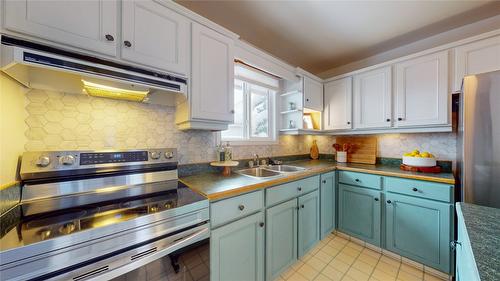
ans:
(256, 159)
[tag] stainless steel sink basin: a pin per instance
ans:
(259, 173)
(284, 168)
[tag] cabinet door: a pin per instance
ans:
(422, 91)
(327, 203)
(212, 75)
(313, 94)
(237, 250)
(156, 36)
(308, 222)
(84, 24)
(281, 238)
(478, 57)
(338, 104)
(359, 213)
(372, 99)
(419, 229)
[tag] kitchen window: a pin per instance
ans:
(254, 107)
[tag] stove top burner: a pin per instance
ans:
(51, 225)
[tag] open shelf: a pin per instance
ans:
(294, 92)
(291, 111)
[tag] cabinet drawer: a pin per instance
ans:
(237, 207)
(360, 179)
(290, 190)
(424, 189)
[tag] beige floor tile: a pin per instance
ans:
(348, 278)
(387, 268)
(322, 277)
(355, 246)
(390, 261)
(308, 271)
(297, 265)
(316, 263)
(371, 252)
(339, 265)
(325, 257)
(279, 279)
(357, 275)
(429, 277)
(363, 267)
(366, 258)
(297, 277)
(373, 279)
(382, 275)
(331, 250)
(412, 270)
(287, 273)
(332, 273)
(405, 276)
(346, 258)
(351, 251)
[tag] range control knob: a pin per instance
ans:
(155, 155)
(67, 160)
(169, 155)
(43, 161)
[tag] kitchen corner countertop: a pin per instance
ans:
(483, 228)
(215, 186)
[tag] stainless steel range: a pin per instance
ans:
(102, 214)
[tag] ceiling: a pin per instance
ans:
(320, 35)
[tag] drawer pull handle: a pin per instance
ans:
(389, 201)
(300, 188)
(324, 181)
(357, 180)
(241, 207)
(109, 37)
(302, 206)
(261, 224)
(415, 189)
(376, 199)
(127, 44)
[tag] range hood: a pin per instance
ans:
(41, 67)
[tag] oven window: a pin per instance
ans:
(188, 264)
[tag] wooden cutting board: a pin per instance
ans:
(364, 149)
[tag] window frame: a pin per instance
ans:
(272, 116)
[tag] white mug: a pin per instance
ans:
(342, 156)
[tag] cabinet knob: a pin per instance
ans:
(109, 37)
(414, 189)
(376, 199)
(389, 201)
(261, 224)
(357, 180)
(400, 119)
(388, 120)
(348, 123)
(232, 111)
(127, 43)
(302, 206)
(324, 181)
(241, 207)
(307, 99)
(299, 189)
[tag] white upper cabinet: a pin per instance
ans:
(212, 77)
(86, 24)
(313, 94)
(372, 99)
(338, 104)
(422, 91)
(156, 36)
(477, 57)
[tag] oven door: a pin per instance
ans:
(183, 256)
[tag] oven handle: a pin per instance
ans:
(132, 264)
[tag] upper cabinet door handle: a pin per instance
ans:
(388, 120)
(400, 119)
(127, 44)
(241, 207)
(232, 111)
(109, 37)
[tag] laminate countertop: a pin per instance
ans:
(215, 186)
(483, 228)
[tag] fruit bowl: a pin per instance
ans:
(419, 161)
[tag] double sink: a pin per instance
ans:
(270, 171)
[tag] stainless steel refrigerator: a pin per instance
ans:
(478, 152)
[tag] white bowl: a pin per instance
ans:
(419, 161)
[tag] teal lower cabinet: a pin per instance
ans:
(281, 238)
(328, 204)
(308, 222)
(419, 229)
(359, 213)
(237, 250)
